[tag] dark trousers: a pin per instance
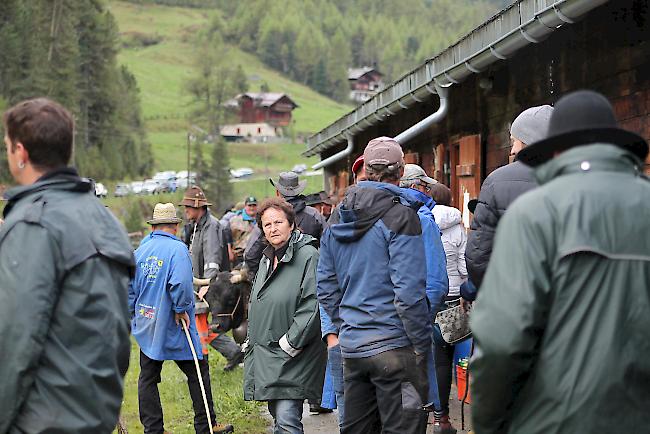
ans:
(151, 413)
(385, 393)
(444, 364)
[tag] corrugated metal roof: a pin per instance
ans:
(356, 73)
(265, 99)
(520, 24)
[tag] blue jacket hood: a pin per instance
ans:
(418, 196)
(363, 205)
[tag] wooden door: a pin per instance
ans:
(467, 173)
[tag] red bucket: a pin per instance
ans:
(461, 384)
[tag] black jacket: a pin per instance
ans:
(308, 220)
(498, 191)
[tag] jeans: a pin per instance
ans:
(151, 413)
(287, 415)
(444, 366)
(385, 393)
(226, 346)
(334, 382)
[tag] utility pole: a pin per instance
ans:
(189, 140)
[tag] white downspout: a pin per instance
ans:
(336, 157)
(425, 123)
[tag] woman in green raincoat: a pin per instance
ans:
(285, 357)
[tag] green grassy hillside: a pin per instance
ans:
(162, 69)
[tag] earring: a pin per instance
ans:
(21, 165)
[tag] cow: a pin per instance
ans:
(228, 299)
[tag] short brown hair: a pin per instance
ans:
(276, 203)
(441, 194)
(46, 130)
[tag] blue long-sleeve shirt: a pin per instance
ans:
(437, 283)
(162, 286)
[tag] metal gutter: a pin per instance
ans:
(336, 157)
(523, 23)
(415, 130)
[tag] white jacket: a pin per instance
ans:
(454, 240)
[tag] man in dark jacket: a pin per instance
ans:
(308, 220)
(561, 321)
(501, 188)
(209, 252)
(372, 285)
(65, 266)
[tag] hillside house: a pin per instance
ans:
(254, 133)
(531, 53)
(271, 108)
(364, 83)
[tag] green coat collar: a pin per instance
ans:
(581, 159)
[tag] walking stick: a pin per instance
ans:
(198, 372)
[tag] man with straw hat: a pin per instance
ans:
(160, 297)
(209, 251)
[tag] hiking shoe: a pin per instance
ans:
(442, 425)
(222, 429)
(234, 362)
(317, 409)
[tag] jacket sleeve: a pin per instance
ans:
(462, 265)
(481, 236)
(327, 327)
(179, 283)
(509, 317)
(437, 283)
(306, 321)
(406, 262)
(213, 253)
(329, 293)
(28, 296)
(253, 252)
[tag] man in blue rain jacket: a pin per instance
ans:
(372, 285)
(160, 299)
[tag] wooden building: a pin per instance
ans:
(364, 83)
(529, 54)
(271, 108)
(249, 132)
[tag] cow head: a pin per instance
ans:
(228, 302)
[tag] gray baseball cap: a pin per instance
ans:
(383, 150)
(413, 172)
(532, 124)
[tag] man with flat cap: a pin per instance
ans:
(160, 298)
(209, 252)
(562, 317)
(501, 188)
(308, 219)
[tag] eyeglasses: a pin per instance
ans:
(427, 188)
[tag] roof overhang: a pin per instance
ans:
(523, 23)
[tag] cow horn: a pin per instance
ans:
(200, 282)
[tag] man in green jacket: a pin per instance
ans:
(561, 323)
(65, 266)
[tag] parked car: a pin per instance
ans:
(136, 187)
(100, 190)
(150, 186)
(242, 172)
(122, 190)
(299, 168)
